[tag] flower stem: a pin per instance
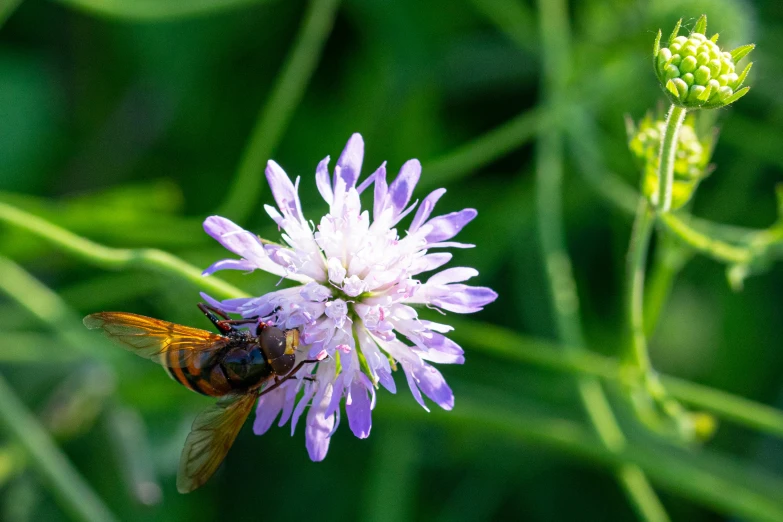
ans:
(510, 346)
(57, 472)
(555, 36)
(666, 164)
(670, 259)
(714, 248)
(637, 260)
(279, 108)
(116, 258)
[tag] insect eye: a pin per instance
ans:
(272, 342)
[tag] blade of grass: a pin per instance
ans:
(155, 10)
(7, 8)
(275, 115)
(493, 145)
(67, 485)
(715, 482)
(555, 40)
(116, 258)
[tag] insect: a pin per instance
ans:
(232, 365)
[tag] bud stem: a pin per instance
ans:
(666, 158)
(638, 354)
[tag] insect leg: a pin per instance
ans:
(289, 375)
(219, 323)
(225, 324)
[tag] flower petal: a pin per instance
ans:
(229, 264)
(322, 180)
(434, 386)
(319, 426)
(466, 299)
(269, 405)
(381, 189)
(402, 187)
(283, 190)
(350, 161)
(452, 275)
(441, 349)
(425, 209)
(359, 409)
(447, 226)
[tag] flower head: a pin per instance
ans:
(691, 159)
(360, 284)
(695, 72)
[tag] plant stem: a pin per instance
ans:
(716, 482)
(7, 8)
(493, 145)
(674, 120)
(554, 31)
(669, 260)
(156, 10)
(509, 345)
(116, 258)
(491, 339)
(57, 472)
(40, 301)
(279, 108)
(714, 248)
(636, 263)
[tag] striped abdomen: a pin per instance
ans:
(203, 373)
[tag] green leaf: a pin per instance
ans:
(657, 44)
(736, 96)
(740, 52)
(701, 25)
(676, 31)
(156, 9)
(744, 74)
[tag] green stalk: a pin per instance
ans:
(637, 260)
(116, 258)
(716, 482)
(674, 120)
(491, 339)
(55, 470)
(714, 248)
(510, 346)
(555, 32)
(275, 115)
(493, 145)
(7, 8)
(669, 261)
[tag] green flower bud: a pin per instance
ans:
(691, 159)
(695, 73)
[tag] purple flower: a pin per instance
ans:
(359, 282)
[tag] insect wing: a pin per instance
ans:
(210, 438)
(166, 343)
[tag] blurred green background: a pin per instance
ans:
(126, 122)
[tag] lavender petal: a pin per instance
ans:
(425, 209)
(381, 189)
(434, 386)
(268, 407)
(447, 226)
(283, 191)
(359, 411)
(229, 264)
(350, 161)
(402, 187)
(322, 180)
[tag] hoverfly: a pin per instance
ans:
(232, 365)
